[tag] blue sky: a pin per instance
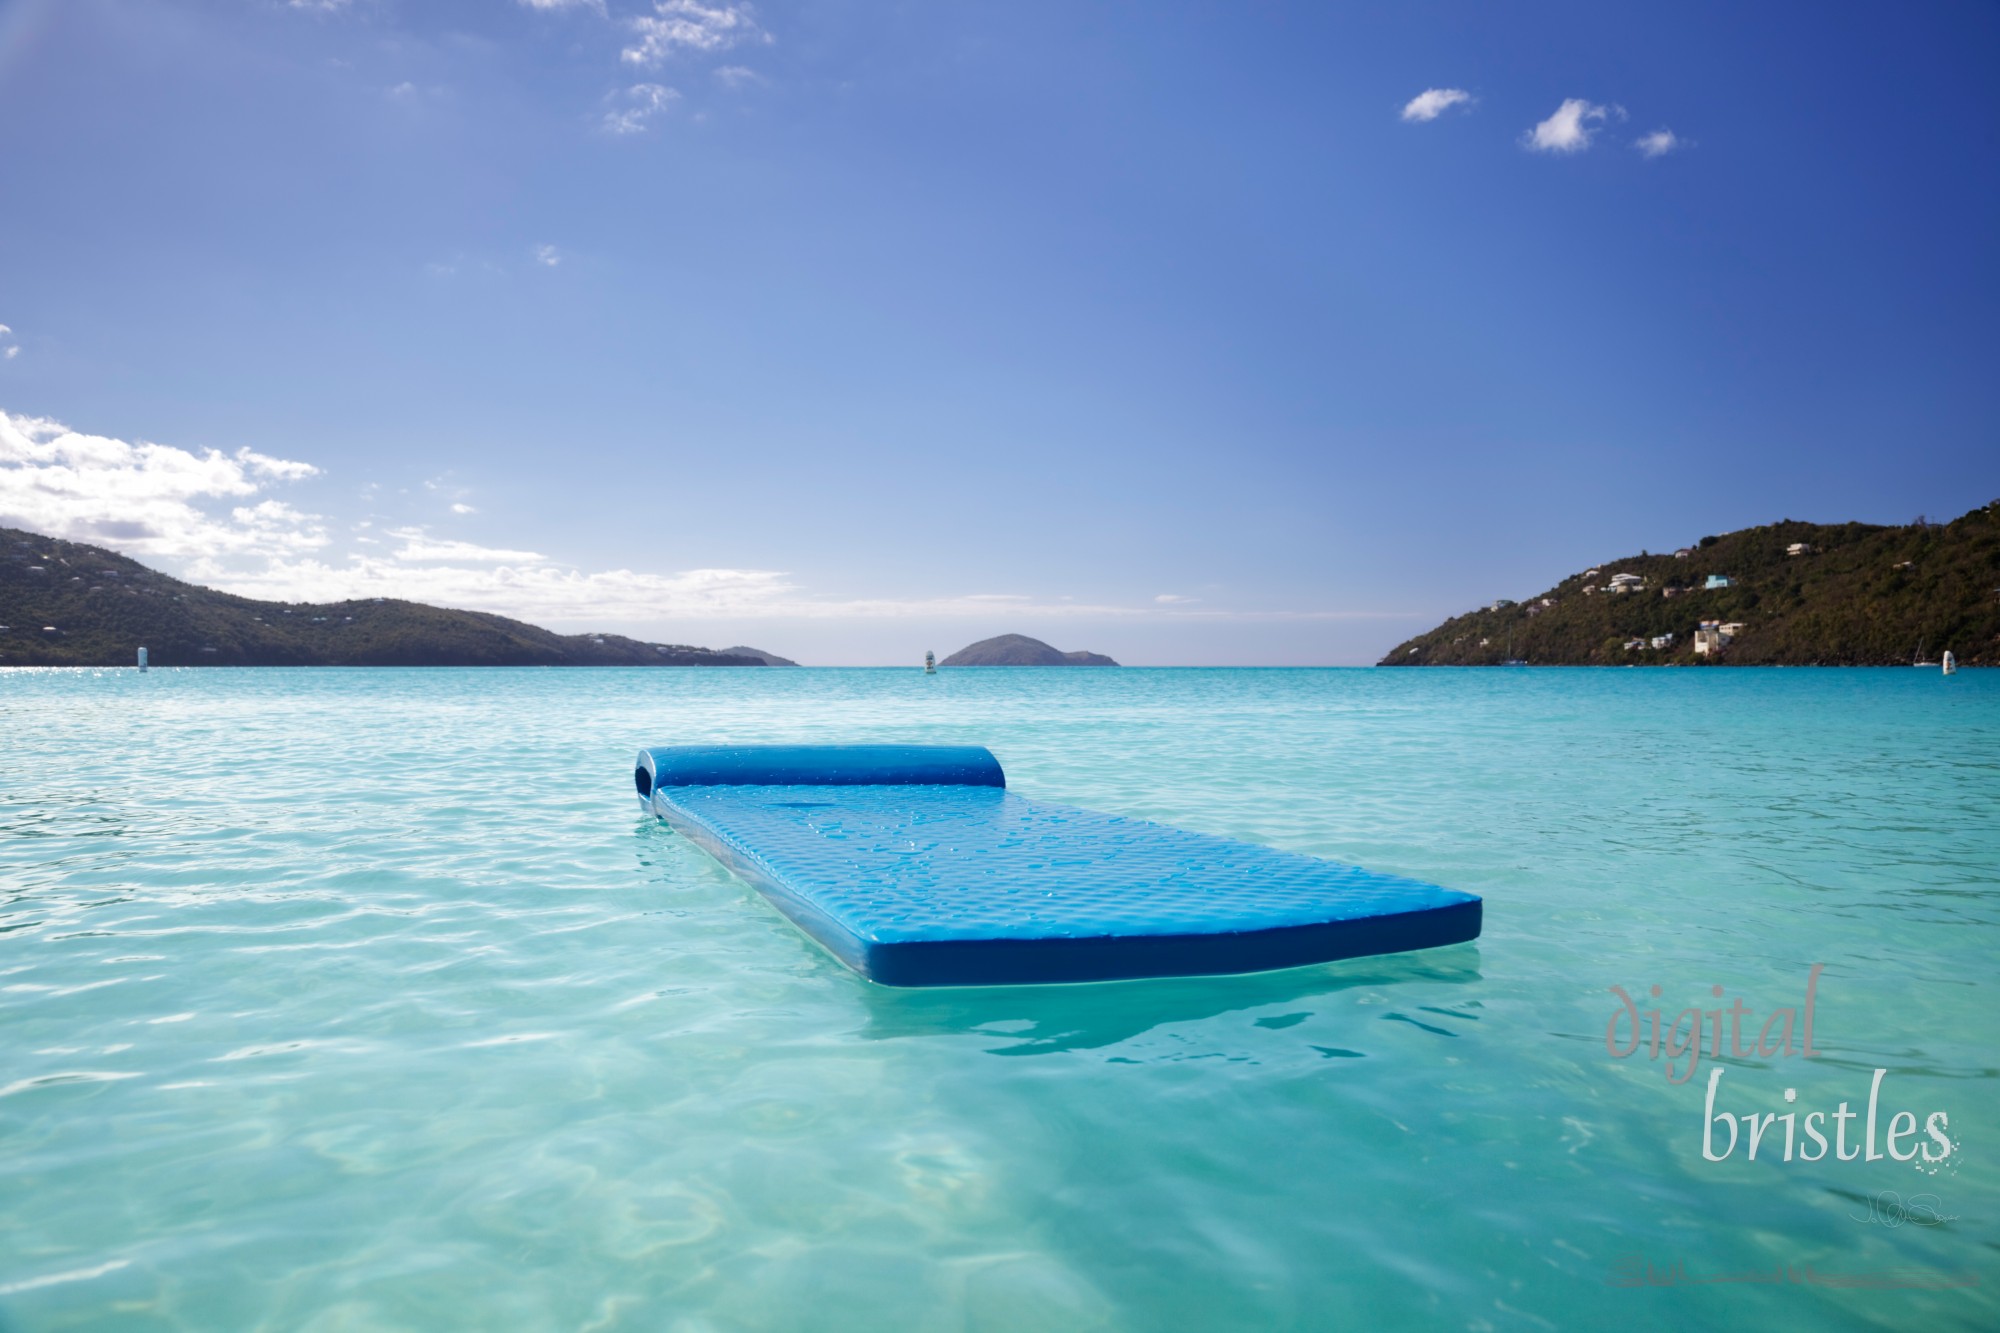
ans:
(1189, 333)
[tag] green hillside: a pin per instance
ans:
(68, 604)
(1861, 596)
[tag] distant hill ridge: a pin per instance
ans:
(1786, 594)
(1020, 650)
(70, 604)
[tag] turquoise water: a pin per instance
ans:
(368, 999)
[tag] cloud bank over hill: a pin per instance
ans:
(228, 520)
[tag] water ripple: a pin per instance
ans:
(368, 999)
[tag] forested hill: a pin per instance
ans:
(1854, 595)
(1020, 650)
(68, 604)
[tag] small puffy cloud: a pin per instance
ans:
(282, 469)
(738, 76)
(550, 6)
(1660, 142)
(639, 104)
(692, 26)
(548, 256)
(1569, 129)
(462, 508)
(1434, 102)
(149, 499)
(9, 349)
(318, 6)
(1174, 599)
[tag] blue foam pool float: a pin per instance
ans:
(915, 866)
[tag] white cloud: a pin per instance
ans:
(283, 469)
(11, 349)
(643, 101)
(11, 353)
(532, 590)
(318, 6)
(546, 593)
(1660, 142)
(462, 508)
(148, 499)
(206, 515)
(548, 255)
(549, 6)
(419, 545)
(1434, 102)
(1569, 129)
(738, 76)
(693, 26)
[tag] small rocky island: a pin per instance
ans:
(1020, 650)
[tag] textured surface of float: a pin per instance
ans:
(956, 881)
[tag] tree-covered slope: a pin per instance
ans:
(68, 604)
(1862, 595)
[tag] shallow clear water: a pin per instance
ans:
(369, 999)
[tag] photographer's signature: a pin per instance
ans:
(1888, 1208)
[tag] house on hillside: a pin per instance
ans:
(1714, 636)
(1684, 553)
(1798, 548)
(1632, 645)
(1717, 581)
(1663, 640)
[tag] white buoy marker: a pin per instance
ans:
(142, 659)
